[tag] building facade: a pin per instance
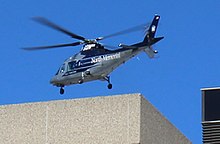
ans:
(211, 115)
(120, 119)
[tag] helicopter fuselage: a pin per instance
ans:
(85, 67)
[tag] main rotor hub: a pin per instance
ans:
(89, 46)
(90, 41)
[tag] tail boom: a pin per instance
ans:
(149, 39)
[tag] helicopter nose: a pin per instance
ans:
(53, 80)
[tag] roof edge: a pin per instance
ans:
(210, 88)
(74, 98)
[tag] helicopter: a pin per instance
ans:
(95, 61)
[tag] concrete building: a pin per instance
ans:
(211, 115)
(120, 119)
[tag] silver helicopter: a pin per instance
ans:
(95, 61)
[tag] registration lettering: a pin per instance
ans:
(105, 58)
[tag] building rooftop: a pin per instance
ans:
(124, 119)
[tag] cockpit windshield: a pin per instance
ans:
(61, 69)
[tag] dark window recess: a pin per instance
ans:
(211, 105)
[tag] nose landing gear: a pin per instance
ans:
(62, 90)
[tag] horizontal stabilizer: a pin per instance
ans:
(150, 52)
(155, 40)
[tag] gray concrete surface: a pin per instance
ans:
(120, 119)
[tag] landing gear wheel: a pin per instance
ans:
(61, 90)
(109, 86)
(107, 78)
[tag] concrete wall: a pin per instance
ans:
(156, 129)
(122, 119)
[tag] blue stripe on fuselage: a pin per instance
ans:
(90, 61)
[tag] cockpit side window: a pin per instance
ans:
(71, 65)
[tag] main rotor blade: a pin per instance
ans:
(110, 47)
(50, 24)
(129, 30)
(52, 46)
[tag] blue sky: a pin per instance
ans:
(188, 57)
